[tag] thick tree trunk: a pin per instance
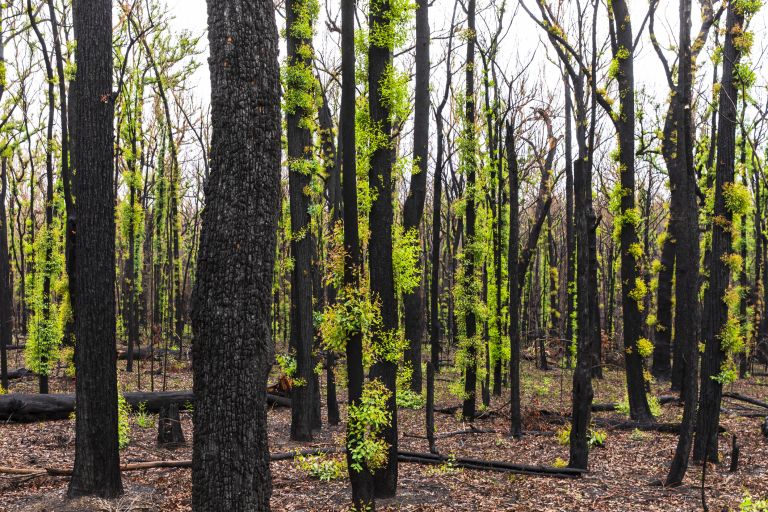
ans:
(97, 460)
(232, 298)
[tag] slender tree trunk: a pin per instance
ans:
(513, 271)
(716, 310)
(630, 262)
(6, 290)
(570, 243)
(380, 60)
(470, 320)
(300, 155)
(687, 312)
(414, 203)
(363, 496)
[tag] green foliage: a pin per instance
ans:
(351, 313)
(405, 396)
(446, 468)
(320, 467)
(67, 358)
(597, 438)
(747, 8)
(560, 463)
(636, 250)
(366, 421)
(748, 504)
(653, 404)
(639, 292)
(644, 347)
(638, 435)
(405, 259)
(143, 418)
(299, 91)
(395, 94)
(392, 31)
(123, 422)
(287, 364)
(45, 331)
(737, 198)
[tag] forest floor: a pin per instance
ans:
(620, 477)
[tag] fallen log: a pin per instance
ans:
(158, 464)
(747, 399)
(443, 435)
(488, 465)
(19, 374)
(665, 428)
(145, 353)
(30, 407)
(408, 457)
(611, 406)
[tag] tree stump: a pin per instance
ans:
(169, 433)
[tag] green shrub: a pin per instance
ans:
(144, 419)
(748, 504)
(123, 422)
(322, 468)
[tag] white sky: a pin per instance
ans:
(522, 39)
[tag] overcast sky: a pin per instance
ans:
(522, 40)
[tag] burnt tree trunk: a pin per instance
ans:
(516, 427)
(687, 313)
(715, 309)
(361, 480)
(300, 155)
(380, 58)
(414, 203)
(470, 318)
(6, 297)
(630, 262)
(97, 460)
(232, 298)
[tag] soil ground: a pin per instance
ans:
(620, 476)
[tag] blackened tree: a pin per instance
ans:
(232, 299)
(97, 460)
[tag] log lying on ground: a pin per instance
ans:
(19, 374)
(145, 353)
(488, 465)
(665, 428)
(606, 407)
(611, 406)
(29, 407)
(408, 457)
(744, 398)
